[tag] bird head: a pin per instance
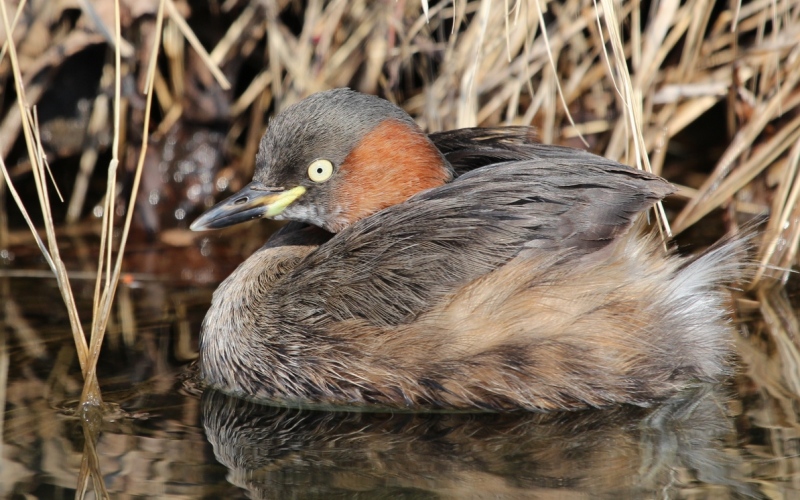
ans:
(332, 159)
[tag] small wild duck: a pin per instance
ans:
(466, 269)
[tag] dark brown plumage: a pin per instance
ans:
(509, 277)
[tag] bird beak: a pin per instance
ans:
(251, 202)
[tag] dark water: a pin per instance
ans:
(160, 438)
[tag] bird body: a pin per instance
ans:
(467, 269)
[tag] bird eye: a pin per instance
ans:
(320, 170)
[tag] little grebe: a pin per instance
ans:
(468, 269)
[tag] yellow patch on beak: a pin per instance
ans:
(278, 203)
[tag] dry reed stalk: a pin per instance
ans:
(234, 33)
(9, 34)
(783, 228)
(178, 19)
(632, 98)
(785, 99)
(35, 154)
(104, 293)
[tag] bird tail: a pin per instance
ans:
(700, 305)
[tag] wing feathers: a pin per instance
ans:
(395, 265)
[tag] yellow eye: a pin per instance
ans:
(320, 170)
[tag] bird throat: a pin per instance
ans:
(392, 163)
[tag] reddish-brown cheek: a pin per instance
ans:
(391, 164)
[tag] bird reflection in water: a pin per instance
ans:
(627, 452)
